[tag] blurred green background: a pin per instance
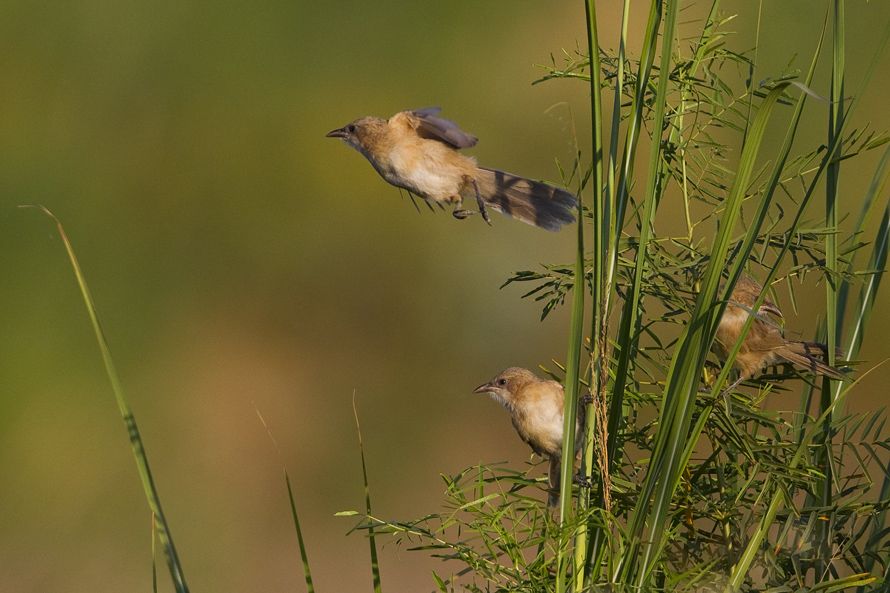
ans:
(239, 257)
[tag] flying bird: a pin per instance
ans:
(536, 409)
(764, 345)
(418, 151)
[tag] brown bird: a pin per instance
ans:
(418, 151)
(536, 409)
(764, 345)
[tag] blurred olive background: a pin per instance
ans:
(239, 258)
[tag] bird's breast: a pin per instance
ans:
(426, 171)
(540, 424)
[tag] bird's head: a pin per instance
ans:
(504, 387)
(361, 133)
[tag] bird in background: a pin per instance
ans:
(417, 150)
(536, 409)
(764, 345)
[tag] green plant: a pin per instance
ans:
(693, 485)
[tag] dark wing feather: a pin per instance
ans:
(438, 128)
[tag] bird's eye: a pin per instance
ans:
(502, 382)
(350, 128)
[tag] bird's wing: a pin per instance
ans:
(432, 127)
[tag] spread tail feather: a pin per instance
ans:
(532, 202)
(804, 354)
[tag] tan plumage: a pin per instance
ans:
(418, 151)
(764, 345)
(536, 409)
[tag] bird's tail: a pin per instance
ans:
(532, 202)
(808, 355)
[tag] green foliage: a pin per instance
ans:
(691, 485)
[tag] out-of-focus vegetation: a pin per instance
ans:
(237, 256)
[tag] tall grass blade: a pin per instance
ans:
(136, 444)
(372, 540)
(867, 293)
(879, 180)
(307, 573)
(572, 385)
(595, 442)
(834, 316)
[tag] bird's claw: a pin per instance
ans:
(587, 399)
(484, 212)
(462, 214)
(582, 481)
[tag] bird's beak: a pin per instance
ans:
(484, 388)
(338, 133)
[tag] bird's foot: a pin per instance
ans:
(587, 399)
(462, 214)
(483, 210)
(583, 481)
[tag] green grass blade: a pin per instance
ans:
(635, 123)
(875, 188)
(867, 293)
(834, 316)
(598, 332)
(136, 444)
(372, 539)
(307, 573)
(572, 385)
(154, 555)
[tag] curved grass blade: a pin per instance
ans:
(148, 485)
(372, 541)
(307, 573)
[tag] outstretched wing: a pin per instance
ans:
(433, 127)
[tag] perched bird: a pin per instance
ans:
(764, 345)
(536, 409)
(418, 151)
